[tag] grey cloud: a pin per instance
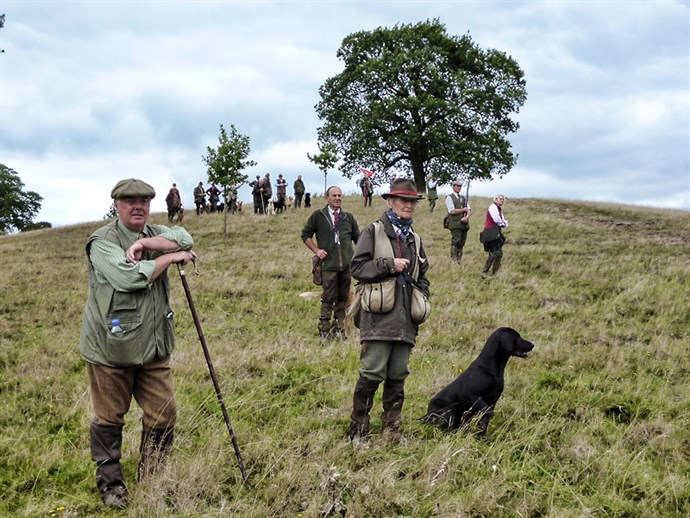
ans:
(607, 113)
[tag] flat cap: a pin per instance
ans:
(132, 188)
(456, 182)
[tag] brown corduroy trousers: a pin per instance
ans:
(151, 385)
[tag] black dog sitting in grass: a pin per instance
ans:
(477, 390)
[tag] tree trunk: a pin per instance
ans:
(418, 172)
(225, 212)
(225, 221)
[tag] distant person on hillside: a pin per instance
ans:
(298, 186)
(173, 201)
(431, 193)
(335, 231)
(256, 195)
(213, 196)
(367, 189)
(268, 188)
(231, 199)
(265, 189)
(389, 253)
(200, 198)
(493, 226)
(458, 220)
(281, 187)
(128, 334)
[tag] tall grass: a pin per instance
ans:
(594, 423)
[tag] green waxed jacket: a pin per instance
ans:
(397, 324)
(340, 250)
(144, 314)
(298, 186)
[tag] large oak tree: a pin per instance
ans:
(414, 100)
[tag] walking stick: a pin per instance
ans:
(467, 196)
(212, 371)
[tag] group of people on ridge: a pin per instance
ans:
(200, 198)
(128, 334)
(262, 193)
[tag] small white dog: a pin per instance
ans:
(270, 209)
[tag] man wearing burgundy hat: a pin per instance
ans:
(388, 249)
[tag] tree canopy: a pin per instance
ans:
(325, 160)
(18, 207)
(226, 162)
(414, 100)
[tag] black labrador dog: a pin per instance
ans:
(478, 388)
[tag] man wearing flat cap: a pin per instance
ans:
(389, 253)
(128, 336)
(458, 220)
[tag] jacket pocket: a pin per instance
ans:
(379, 297)
(125, 347)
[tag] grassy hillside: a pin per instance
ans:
(595, 423)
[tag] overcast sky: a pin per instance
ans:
(95, 91)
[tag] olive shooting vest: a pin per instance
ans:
(144, 315)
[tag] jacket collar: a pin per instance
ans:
(388, 227)
(341, 213)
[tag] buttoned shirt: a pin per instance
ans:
(332, 213)
(496, 215)
(111, 265)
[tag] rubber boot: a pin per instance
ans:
(496, 265)
(106, 451)
(325, 320)
(155, 446)
(338, 328)
(362, 401)
(487, 265)
(393, 399)
(455, 253)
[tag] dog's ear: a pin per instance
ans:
(509, 339)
